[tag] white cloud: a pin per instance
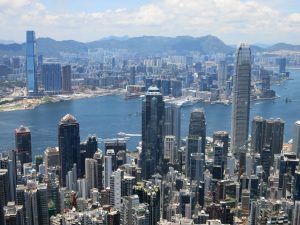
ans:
(231, 20)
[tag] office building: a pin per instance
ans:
(274, 134)
(196, 166)
(194, 145)
(296, 194)
(296, 138)
(42, 201)
(113, 217)
(197, 126)
(241, 98)
(31, 63)
(13, 214)
(258, 134)
(4, 188)
(69, 145)
(152, 132)
(282, 65)
(23, 144)
(52, 78)
(222, 75)
(172, 124)
(66, 78)
(296, 213)
(222, 136)
(51, 158)
(170, 149)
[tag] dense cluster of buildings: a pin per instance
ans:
(167, 180)
(191, 75)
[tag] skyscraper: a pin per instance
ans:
(169, 148)
(222, 136)
(194, 144)
(296, 138)
(221, 74)
(42, 201)
(52, 77)
(91, 173)
(241, 98)
(296, 219)
(197, 126)
(13, 214)
(282, 65)
(69, 145)
(66, 78)
(4, 187)
(172, 124)
(107, 170)
(128, 203)
(258, 133)
(274, 133)
(152, 132)
(23, 144)
(31, 63)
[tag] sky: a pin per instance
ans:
(233, 21)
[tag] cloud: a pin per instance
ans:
(231, 20)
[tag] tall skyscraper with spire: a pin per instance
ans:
(31, 63)
(69, 146)
(241, 98)
(152, 132)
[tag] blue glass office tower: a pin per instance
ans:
(52, 77)
(153, 112)
(31, 63)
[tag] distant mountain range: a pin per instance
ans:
(144, 45)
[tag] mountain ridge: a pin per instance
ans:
(207, 44)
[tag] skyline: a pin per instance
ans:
(250, 21)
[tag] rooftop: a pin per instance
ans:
(68, 119)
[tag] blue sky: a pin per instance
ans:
(254, 21)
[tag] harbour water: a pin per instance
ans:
(107, 116)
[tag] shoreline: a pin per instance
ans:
(32, 103)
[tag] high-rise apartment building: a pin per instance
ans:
(152, 132)
(241, 98)
(107, 170)
(31, 63)
(69, 145)
(91, 173)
